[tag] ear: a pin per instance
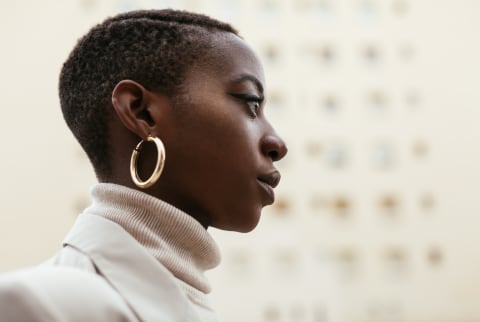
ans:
(131, 103)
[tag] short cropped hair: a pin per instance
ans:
(152, 47)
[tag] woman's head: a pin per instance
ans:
(192, 82)
(154, 48)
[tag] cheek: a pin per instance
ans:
(217, 132)
(215, 158)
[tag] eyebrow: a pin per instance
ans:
(251, 78)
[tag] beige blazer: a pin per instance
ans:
(101, 274)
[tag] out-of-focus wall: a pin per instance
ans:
(376, 217)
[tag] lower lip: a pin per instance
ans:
(268, 192)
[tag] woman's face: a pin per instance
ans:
(220, 149)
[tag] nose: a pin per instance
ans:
(273, 147)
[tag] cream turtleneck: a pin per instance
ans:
(175, 239)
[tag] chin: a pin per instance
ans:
(247, 223)
(246, 229)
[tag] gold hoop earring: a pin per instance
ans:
(158, 166)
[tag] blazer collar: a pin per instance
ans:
(149, 288)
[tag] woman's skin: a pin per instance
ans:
(220, 148)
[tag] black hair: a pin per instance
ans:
(152, 47)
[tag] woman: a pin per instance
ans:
(169, 107)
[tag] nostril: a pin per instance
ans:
(274, 155)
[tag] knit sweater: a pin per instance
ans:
(175, 239)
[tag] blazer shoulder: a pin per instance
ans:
(57, 293)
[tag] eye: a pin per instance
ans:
(253, 101)
(254, 106)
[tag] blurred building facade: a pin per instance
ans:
(376, 214)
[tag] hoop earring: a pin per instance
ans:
(158, 166)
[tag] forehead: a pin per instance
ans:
(228, 58)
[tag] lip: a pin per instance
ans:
(271, 179)
(268, 182)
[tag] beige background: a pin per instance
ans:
(379, 103)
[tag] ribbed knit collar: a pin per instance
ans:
(173, 237)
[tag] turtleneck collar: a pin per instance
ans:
(173, 237)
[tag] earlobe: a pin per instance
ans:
(130, 102)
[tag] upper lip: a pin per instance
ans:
(271, 178)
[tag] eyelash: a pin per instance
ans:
(253, 101)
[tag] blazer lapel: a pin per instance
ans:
(147, 286)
